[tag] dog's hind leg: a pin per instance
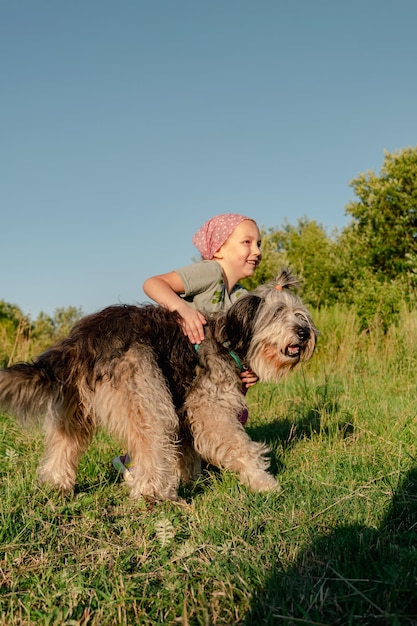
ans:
(153, 453)
(66, 438)
(189, 461)
(222, 441)
(151, 439)
(140, 412)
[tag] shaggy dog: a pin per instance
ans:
(132, 371)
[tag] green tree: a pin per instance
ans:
(315, 258)
(313, 255)
(47, 329)
(383, 233)
(10, 315)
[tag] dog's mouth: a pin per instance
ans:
(293, 350)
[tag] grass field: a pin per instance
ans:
(338, 544)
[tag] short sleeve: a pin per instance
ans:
(204, 287)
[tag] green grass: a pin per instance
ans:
(338, 545)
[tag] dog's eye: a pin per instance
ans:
(301, 317)
(277, 312)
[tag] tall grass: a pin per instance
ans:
(338, 544)
(17, 346)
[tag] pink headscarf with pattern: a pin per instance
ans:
(212, 235)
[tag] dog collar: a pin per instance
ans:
(232, 354)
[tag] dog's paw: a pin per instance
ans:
(262, 481)
(63, 482)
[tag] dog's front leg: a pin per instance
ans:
(222, 441)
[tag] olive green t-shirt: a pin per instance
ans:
(205, 289)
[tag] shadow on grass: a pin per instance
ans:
(313, 412)
(354, 575)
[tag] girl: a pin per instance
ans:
(230, 248)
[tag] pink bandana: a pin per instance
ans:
(212, 235)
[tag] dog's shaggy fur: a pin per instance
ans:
(132, 371)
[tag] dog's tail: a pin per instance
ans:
(26, 391)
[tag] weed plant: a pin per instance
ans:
(337, 545)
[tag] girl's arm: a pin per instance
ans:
(164, 290)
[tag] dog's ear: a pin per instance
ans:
(240, 321)
(286, 280)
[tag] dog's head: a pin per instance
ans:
(271, 329)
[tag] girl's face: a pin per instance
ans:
(241, 252)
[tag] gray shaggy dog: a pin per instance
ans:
(132, 371)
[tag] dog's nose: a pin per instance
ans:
(303, 333)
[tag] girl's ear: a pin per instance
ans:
(219, 254)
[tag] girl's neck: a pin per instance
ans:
(229, 279)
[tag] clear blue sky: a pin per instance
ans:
(125, 125)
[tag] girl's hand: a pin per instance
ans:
(248, 378)
(192, 323)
